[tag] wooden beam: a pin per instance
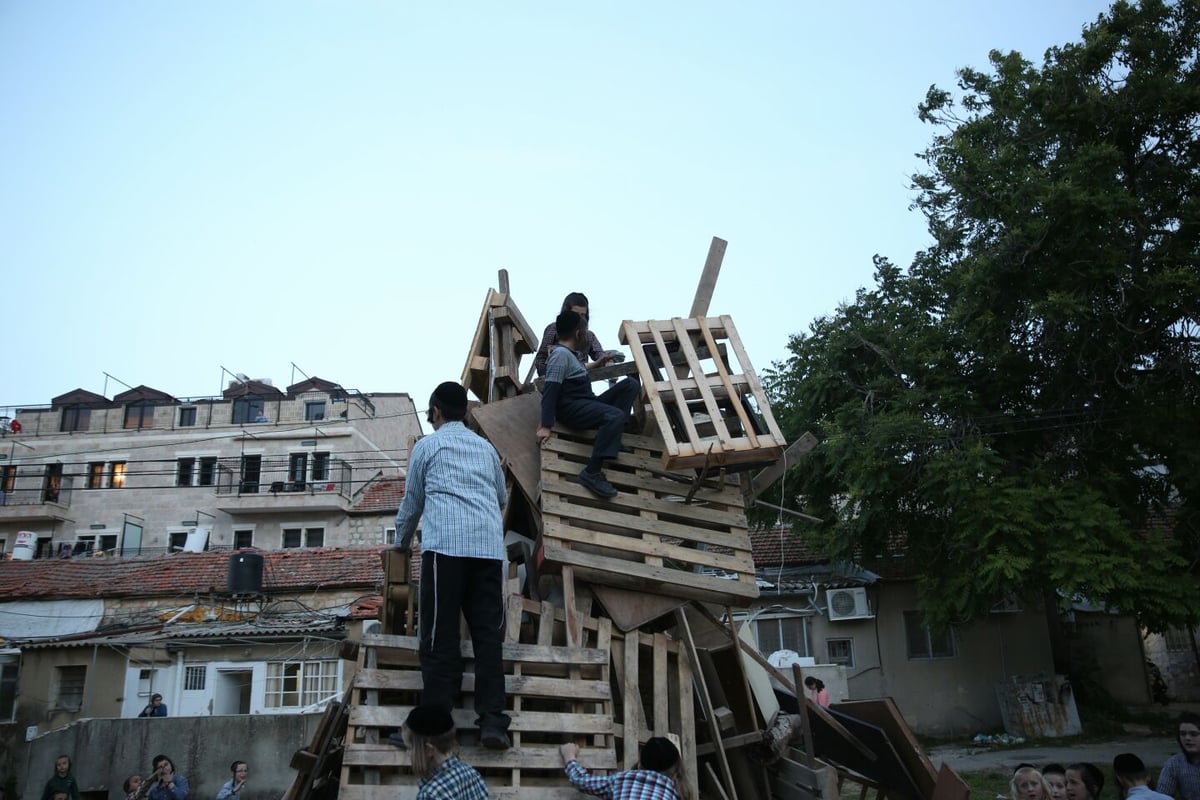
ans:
(788, 511)
(764, 478)
(708, 278)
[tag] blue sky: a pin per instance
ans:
(187, 185)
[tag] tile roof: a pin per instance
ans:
(184, 573)
(784, 547)
(382, 494)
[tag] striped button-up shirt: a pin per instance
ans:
(455, 483)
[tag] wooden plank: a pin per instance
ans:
(763, 479)
(949, 785)
(509, 425)
(511, 652)
(706, 705)
(526, 685)
(534, 756)
(633, 715)
(708, 280)
(884, 713)
(630, 610)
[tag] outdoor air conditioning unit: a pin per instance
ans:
(847, 604)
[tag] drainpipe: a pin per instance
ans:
(178, 680)
(86, 711)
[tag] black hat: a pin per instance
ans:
(452, 397)
(1128, 764)
(659, 754)
(429, 721)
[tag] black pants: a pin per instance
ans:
(472, 587)
(607, 413)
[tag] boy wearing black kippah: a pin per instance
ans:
(657, 777)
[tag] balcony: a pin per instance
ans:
(278, 487)
(37, 499)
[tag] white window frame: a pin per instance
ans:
(778, 618)
(96, 539)
(294, 685)
(389, 535)
(241, 529)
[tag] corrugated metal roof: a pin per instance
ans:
(191, 631)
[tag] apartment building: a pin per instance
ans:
(146, 473)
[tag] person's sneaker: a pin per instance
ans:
(494, 739)
(397, 739)
(597, 483)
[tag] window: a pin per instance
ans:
(389, 535)
(1178, 640)
(314, 410)
(75, 418)
(8, 479)
(208, 471)
(95, 475)
(251, 472)
(69, 683)
(298, 468)
(90, 542)
(193, 678)
(924, 643)
(8, 687)
(247, 409)
(146, 682)
(117, 481)
(840, 651)
(782, 633)
(176, 540)
(185, 470)
(243, 539)
(3, 550)
(52, 483)
(303, 537)
(295, 684)
(187, 417)
(139, 415)
(320, 470)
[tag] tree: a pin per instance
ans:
(1018, 410)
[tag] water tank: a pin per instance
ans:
(25, 546)
(245, 573)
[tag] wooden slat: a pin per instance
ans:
(541, 756)
(529, 686)
(510, 651)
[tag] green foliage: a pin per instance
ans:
(1018, 409)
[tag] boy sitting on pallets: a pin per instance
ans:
(568, 395)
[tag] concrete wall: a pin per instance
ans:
(1107, 648)
(106, 751)
(1176, 660)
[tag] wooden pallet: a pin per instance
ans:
(398, 614)
(710, 413)
(648, 537)
(554, 692)
(502, 336)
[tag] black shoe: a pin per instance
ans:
(494, 739)
(397, 739)
(597, 483)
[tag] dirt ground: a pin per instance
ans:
(965, 758)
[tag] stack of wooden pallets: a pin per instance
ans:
(621, 627)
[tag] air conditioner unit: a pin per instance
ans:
(847, 604)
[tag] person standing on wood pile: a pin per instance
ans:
(568, 395)
(456, 486)
(657, 777)
(589, 347)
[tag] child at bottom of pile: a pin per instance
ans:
(657, 776)
(431, 738)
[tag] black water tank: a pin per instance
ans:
(245, 573)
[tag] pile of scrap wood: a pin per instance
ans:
(620, 611)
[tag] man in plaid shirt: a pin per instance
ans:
(657, 778)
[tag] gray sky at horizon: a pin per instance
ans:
(188, 186)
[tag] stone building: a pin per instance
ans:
(147, 473)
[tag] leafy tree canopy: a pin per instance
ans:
(1019, 411)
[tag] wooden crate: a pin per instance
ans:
(711, 412)
(647, 537)
(554, 692)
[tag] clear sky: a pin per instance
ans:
(186, 186)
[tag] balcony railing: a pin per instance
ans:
(275, 477)
(38, 491)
